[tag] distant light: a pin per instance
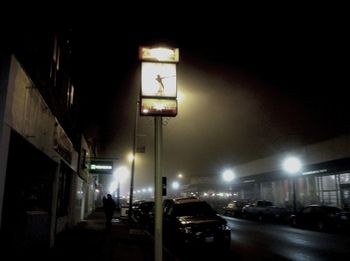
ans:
(175, 185)
(145, 111)
(131, 157)
(113, 187)
(228, 175)
(121, 174)
(180, 96)
(292, 165)
(180, 176)
(150, 189)
(97, 190)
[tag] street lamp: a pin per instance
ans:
(228, 175)
(120, 175)
(175, 186)
(292, 165)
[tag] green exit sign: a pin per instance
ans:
(101, 167)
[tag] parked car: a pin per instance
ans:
(234, 208)
(320, 217)
(141, 212)
(190, 222)
(265, 210)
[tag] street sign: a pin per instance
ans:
(101, 167)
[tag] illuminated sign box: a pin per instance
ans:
(158, 107)
(158, 80)
(159, 54)
(101, 167)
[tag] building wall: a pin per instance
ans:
(26, 113)
(324, 178)
(328, 150)
(4, 129)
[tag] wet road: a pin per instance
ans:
(251, 240)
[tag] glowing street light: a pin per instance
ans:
(120, 176)
(228, 175)
(175, 185)
(292, 165)
(131, 157)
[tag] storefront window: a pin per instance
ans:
(345, 178)
(328, 190)
(329, 182)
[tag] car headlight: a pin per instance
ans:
(186, 230)
(225, 227)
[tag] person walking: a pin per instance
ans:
(109, 207)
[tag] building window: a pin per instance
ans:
(345, 178)
(55, 63)
(328, 190)
(70, 95)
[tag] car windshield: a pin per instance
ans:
(193, 209)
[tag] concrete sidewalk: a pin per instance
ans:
(89, 240)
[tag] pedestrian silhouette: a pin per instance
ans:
(109, 207)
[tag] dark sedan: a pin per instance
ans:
(190, 222)
(141, 212)
(318, 217)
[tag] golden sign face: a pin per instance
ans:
(161, 107)
(159, 54)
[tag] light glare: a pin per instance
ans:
(175, 185)
(292, 165)
(228, 175)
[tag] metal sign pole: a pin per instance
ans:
(158, 247)
(133, 165)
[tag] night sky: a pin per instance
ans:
(251, 86)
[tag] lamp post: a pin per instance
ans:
(158, 99)
(292, 165)
(175, 186)
(120, 175)
(228, 175)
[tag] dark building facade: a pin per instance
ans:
(41, 175)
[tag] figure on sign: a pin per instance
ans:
(161, 85)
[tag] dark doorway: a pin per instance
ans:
(345, 196)
(28, 195)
